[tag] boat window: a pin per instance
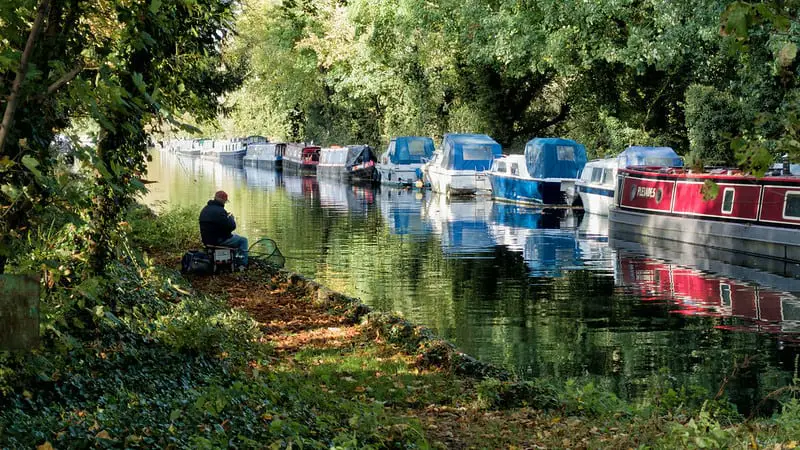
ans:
(727, 200)
(609, 177)
(476, 152)
(725, 294)
(416, 147)
(791, 207)
(597, 174)
(447, 153)
(501, 166)
(565, 153)
(514, 169)
(790, 309)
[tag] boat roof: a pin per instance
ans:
(637, 155)
(469, 151)
(604, 163)
(403, 153)
(554, 158)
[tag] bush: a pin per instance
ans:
(173, 230)
(712, 119)
(207, 326)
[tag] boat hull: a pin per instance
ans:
(398, 175)
(263, 163)
(458, 182)
(595, 200)
(225, 157)
(295, 167)
(772, 242)
(530, 190)
(342, 173)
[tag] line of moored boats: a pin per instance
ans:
(643, 190)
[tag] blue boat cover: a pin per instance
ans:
(649, 156)
(554, 158)
(411, 150)
(469, 151)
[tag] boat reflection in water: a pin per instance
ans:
(344, 197)
(300, 186)
(463, 225)
(550, 240)
(771, 306)
(402, 211)
(265, 179)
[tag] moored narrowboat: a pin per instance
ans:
(545, 174)
(352, 163)
(225, 152)
(265, 156)
(301, 158)
(722, 209)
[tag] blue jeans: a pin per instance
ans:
(238, 242)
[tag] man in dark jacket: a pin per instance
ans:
(217, 225)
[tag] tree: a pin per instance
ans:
(129, 66)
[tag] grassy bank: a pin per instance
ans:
(266, 359)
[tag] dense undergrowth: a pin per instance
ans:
(165, 365)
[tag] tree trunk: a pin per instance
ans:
(11, 106)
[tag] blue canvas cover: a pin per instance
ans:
(469, 151)
(554, 158)
(411, 150)
(649, 156)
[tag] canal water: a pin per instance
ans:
(541, 292)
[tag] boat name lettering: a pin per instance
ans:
(648, 192)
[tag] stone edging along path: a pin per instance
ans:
(419, 341)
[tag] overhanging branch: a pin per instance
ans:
(66, 78)
(11, 106)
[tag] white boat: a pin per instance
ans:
(459, 167)
(402, 161)
(596, 185)
(598, 179)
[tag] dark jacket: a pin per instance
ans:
(215, 223)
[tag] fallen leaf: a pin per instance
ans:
(103, 435)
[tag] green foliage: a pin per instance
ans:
(172, 230)
(497, 394)
(789, 418)
(609, 75)
(128, 68)
(701, 432)
(206, 326)
(712, 119)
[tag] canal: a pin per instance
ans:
(543, 293)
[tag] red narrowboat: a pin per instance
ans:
(723, 210)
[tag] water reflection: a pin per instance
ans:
(402, 212)
(343, 197)
(547, 238)
(546, 293)
(687, 282)
(301, 187)
(268, 180)
(462, 224)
